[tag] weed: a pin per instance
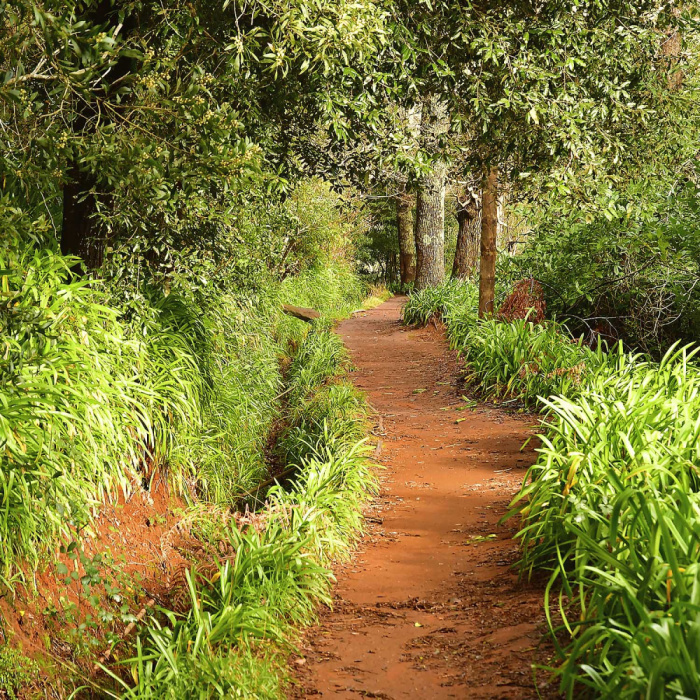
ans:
(17, 672)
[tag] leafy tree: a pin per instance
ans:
(535, 87)
(142, 125)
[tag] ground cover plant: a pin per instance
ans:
(110, 389)
(610, 508)
(241, 621)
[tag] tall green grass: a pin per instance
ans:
(75, 422)
(522, 360)
(450, 301)
(611, 508)
(232, 641)
(95, 401)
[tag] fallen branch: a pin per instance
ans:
(301, 312)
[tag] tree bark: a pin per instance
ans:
(430, 208)
(489, 234)
(465, 252)
(82, 234)
(407, 242)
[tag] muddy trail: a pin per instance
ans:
(430, 607)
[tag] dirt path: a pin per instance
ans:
(429, 608)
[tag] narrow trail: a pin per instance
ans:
(429, 607)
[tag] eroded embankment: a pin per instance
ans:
(430, 606)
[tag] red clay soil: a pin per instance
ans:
(430, 606)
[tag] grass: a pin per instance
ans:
(524, 361)
(242, 621)
(448, 301)
(611, 508)
(107, 388)
(95, 402)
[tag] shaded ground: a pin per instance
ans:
(430, 608)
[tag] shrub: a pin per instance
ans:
(452, 297)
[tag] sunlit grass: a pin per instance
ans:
(611, 508)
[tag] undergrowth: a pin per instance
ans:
(611, 508)
(451, 300)
(96, 401)
(241, 622)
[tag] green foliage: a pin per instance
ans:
(75, 420)
(320, 357)
(272, 579)
(610, 509)
(229, 643)
(17, 672)
(628, 270)
(169, 119)
(451, 300)
(94, 403)
(526, 361)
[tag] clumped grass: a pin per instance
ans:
(75, 421)
(208, 652)
(95, 402)
(225, 455)
(242, 621)
(331, 413)
(611, 509)
(523, 360)
(320, 357)
(454, 298)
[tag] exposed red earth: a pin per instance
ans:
(430, 606)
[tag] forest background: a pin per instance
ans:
(172, 172)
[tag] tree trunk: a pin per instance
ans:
(465, 252)
(430, 208)
(407, 243)
(80, 234)
(489, 234)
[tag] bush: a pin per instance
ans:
(452, 297)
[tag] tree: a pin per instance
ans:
(489, 236)
(536, 87)
(407, 243)
(430, 207)
(467, 234)
(146, 126)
